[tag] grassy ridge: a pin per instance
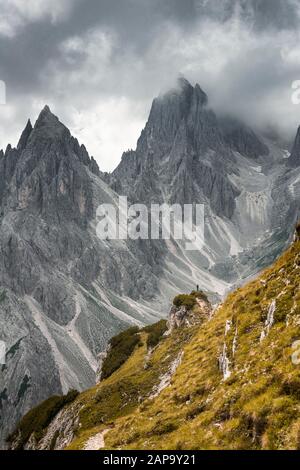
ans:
(256, 406)
(36, 420)
(127, 388)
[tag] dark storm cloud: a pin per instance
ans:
(93, 58)
(22, 57)
(135, 21)
(263, 14)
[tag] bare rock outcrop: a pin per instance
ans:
(183, 316)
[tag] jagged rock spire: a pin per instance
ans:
(184, 86)
(25, 135)
(46, 113)
(48, 123)
(184, 102)
(294, 160)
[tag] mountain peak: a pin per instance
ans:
(46, 117)
(183, 83)
(48, 127)
(46, 109)
(185, 87)
(177, 103)
(25, 135)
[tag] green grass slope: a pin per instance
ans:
(258, 405)
(235, 385)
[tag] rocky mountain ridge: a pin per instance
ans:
(65, 293)
(57, 314)
(188, 154)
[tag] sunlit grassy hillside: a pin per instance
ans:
(227, 382)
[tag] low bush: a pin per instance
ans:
(37, 419)
(184, 300)
(199, 295)
(121, 348)
(291, 387)
(189, 300)
(162, 428)
(155, 333)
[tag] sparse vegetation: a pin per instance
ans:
(37, 420)
(155, 333)
(257, 407)
(121, 347)
(128, 388)
(189, 300)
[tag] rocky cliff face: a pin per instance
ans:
(180, 151)
(64, 293)
(181, 316)
(294, 160)
(188, 154)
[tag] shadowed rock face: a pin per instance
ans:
(294, 160)
(242, 139)
(186, 152)
(182, 141)
(47, 172)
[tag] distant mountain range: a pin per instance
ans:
(65, 293)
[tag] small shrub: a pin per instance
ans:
(162, 428)
(254, 426)
(121, 348)
(199, 295)
(180, 399)
(155, 333)
(291, 388)
(194, 412)
(185, 300)
(189, 300)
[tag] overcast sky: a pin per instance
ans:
(99, 63)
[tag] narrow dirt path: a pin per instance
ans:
(96, 442)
